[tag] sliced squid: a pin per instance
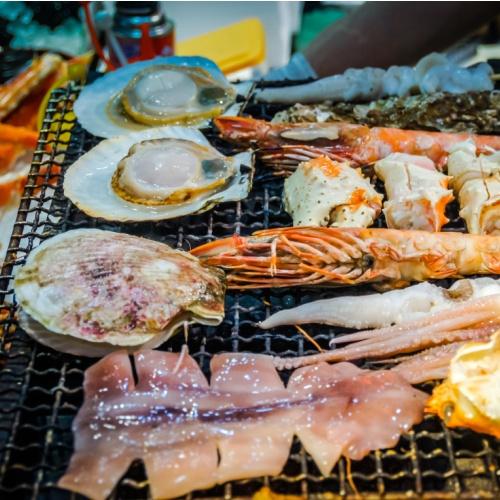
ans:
(476, 319)
(476, 182)
(192, 435)
(431, 364)
(323, 192)
(417, 193)
(377, 310)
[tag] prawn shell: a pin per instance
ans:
(88, 182)
(93, 105)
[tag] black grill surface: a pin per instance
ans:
(41, 389)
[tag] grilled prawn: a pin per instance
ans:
(348, 256)
(284, 145)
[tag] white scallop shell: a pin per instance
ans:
(90, 107)
(80, 347)
(87, 183)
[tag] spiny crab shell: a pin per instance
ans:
(470, 395)
(88, 292)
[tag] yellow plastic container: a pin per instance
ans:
(236, 46)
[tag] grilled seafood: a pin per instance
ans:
(164, 90)
(166, 94)
(475, 112)
(322, 192)
(384, 309)
(284, 145)
(156, 174)
(417, 194)
(192, 435)
(349, 256)
(89, 291)
(433, 73)
(476, 182)
(470, 396)
(431, 364)
(16, 147)
(475, 319)
(14, 91)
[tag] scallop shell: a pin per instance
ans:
(93, 104)
(88, 182)
(88, 292)
(169, 95)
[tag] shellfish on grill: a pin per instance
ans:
(470, 396)
(156, 174)
(162, 91)
(88, 292)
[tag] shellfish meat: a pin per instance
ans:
(167, 94)
(156, 174)
(161, 91)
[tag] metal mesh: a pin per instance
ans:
(41, 389)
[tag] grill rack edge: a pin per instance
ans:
(41, 390)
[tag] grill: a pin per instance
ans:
(41, 389)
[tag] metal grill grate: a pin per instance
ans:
(41, 390)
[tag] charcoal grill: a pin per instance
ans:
(41, 390)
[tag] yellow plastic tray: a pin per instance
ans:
(233, 47)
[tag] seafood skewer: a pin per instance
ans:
(476, 182)
(417, 193)
(349, 256)
(284, 145)
(322, 192)
(193, 435)
(384, 309)
(475, 320)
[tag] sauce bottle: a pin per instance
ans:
(142, 32)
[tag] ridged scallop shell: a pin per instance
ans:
(88, 182)
(89, 291)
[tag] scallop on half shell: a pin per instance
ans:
(88, 292)
(161, 91)
(165, 94)
(156, 174)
